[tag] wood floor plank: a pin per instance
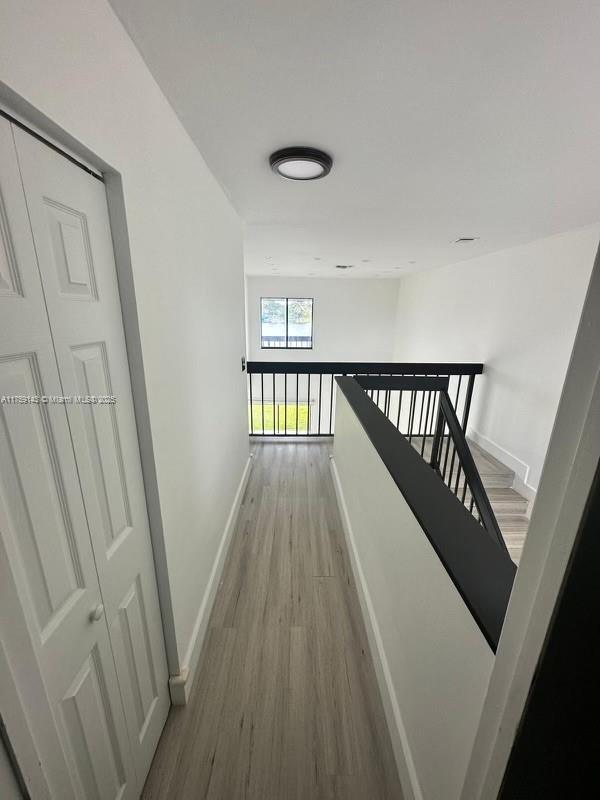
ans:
(285, 705)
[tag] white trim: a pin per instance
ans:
(519, 467)
(402, 753)
(507, 458)
(180, 685)
(291, 438)
(527, 491)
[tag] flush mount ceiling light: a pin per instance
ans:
(301, 163)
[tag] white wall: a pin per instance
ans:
(353, 318)
(569, 474)
(517, 311)
(432, 660)
(74, 63)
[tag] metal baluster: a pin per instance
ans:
(320, 387)
(452, 466)
(462, 499)
(296, 404)
(308, 408)
(262, 402)
(285, 404)
(251, 406)
(399, 408)
(436, 399)
(331, 408)
(459, 470)
(438, 440)
(457, 394)
(446, 455)
(421, 415)
(426, 422)
(411, 414)
(274, 426)
(468, 398)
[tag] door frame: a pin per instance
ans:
(553, 753)
(26, 116)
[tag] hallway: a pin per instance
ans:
(285, 704)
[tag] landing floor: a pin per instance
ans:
(285, 705)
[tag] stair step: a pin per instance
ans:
(506, 501)
(513, 524)
(508, 505)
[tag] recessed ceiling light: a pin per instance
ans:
(301, 163)
(412, 262)
(344, 266)
(464, 239)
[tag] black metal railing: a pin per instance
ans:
(298, 398)
(286, 343)
(421, 409)
(482, 571)
(452, 459)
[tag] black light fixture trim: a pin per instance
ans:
(279, 158)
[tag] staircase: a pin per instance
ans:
(508, 505)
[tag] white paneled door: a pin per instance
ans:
(73, 515)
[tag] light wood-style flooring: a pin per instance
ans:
(285, 705)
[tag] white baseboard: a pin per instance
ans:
(519, 467)
(291, 439)
(528, 492)
(404, 761)
(180, 685)
(507, 458)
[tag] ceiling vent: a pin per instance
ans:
(344, 266)
(466, 239)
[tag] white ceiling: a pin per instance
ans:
(445, 118)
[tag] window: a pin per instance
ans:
(286, 322)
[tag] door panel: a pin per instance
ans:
(71, 250)
(92, 373)
(45, 549)
(36, 496)
(133, 631)
(71, 230)
(91, 732)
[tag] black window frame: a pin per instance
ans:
(287, 346)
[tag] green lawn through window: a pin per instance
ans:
(257, 417)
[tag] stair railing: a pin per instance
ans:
(421, 409)
(452, 459)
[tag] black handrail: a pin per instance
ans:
(402, 383)
(482, 572)
(472, 480)
(366, 367)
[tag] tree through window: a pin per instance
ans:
(286, 322)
